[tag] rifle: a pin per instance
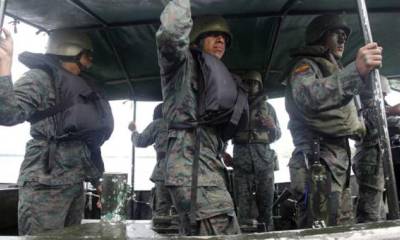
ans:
(379, 111)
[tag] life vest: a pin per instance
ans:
(82, 113)
(222, 96)
(255, 132)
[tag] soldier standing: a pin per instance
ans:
(181, 75)
(156, 133)
(323, 116)
(254, 160)
(51, 194)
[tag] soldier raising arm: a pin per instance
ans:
(213, 212)
(53, 169)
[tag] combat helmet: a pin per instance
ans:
(321, 24)
(207, 24)
(68, 43)
(253, 75)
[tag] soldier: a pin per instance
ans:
(181, 74)
(254, 160)
(57, 160)
(323, 116)
(367, 162)
(156, 133)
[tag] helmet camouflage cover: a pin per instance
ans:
(323, 23)
(68, 43)
(209, 24)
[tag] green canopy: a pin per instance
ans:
(123, 32)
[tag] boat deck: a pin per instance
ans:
(141, 229)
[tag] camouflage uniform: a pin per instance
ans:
(254, 165)
(156, 133)
(179, 78)
(368, 165)
(46, 200)
(319, 100)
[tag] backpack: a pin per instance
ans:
(223, 97)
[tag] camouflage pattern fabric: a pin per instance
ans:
(214, 202)
(368, 165)
(315, 87)
(43, 207)
(156, 133)
(254, 167)
(34, 91)
(368, 168)
(179, 76)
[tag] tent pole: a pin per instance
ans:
(3, 4)
(379, 111)
(133, 167)
(290, 4)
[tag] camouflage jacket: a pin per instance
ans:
(255, 132)
(179, 75)
(155, 133)
(34, 91)
(319, 97)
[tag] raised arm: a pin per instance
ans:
(173, 35)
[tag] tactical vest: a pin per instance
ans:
(81, 112)
(254, 132)
(342, 121)
(222, 96)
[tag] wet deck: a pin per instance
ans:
(387, 230)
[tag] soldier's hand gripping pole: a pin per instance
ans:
(379, 110)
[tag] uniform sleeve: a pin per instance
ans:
(19, 102)
(173, 35)
(311, 93)
(275, 133)
(147, 137)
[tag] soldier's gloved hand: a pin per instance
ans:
(394, 110)
(368, 58)
(267, 122)
(132, 126)
(6, 53)
(228, 160)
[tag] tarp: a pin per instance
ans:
(123, 32)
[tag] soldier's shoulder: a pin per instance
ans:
(36, 75)
(304, 65)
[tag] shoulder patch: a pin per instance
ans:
(302, 68)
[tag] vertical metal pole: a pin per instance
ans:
(3, 5)
(379, 103)
(133, 167)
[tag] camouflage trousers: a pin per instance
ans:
(215, 214)
(368, 168)
(162, 203)
(328, 200)
(254, 182)
(43, 207)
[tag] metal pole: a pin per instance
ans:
(379, 105)
(3, 4)
(133, 167)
